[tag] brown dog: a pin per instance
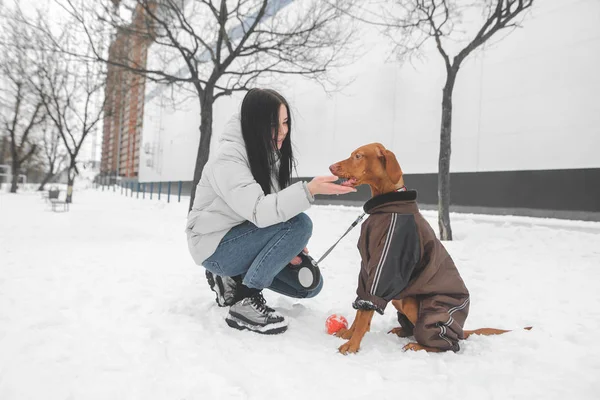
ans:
(402, 261)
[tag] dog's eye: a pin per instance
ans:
(358, 156)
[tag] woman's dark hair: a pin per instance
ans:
(259, 116)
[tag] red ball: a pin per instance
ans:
(334, 323)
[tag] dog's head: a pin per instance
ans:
(372, 165)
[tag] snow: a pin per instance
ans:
(104, 302)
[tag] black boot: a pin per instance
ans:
(225, 288)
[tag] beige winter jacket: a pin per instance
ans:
(227, 195)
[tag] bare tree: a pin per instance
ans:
(53, 157)
(414, 23)
(215, 48)
(69, 87)
(21, 107)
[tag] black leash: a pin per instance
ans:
(336, 243)
(307, 271)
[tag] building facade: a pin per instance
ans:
(124, 108)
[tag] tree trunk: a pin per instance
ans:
(444, 158)
(70, 181)
(3, 141)
(16, 167)
(46, 179)
(206, 119)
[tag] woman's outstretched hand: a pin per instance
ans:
(325, 185)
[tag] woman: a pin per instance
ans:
(247, 222)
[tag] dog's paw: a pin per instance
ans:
(419, 347)
(413, 347)
(400, 332)
(349, 348)
(345, 333)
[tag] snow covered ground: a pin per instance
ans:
(104, 302)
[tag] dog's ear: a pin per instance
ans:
(392, 168)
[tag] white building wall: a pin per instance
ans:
(527, 102)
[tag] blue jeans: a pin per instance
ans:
(262, 254)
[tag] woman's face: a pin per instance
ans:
(282, 129)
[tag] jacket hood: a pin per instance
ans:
(233, 131)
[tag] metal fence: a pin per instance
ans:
(142, 189)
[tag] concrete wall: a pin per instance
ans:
(527, 102)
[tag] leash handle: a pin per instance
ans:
(360, 217)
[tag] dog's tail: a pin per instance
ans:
(488, 331)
